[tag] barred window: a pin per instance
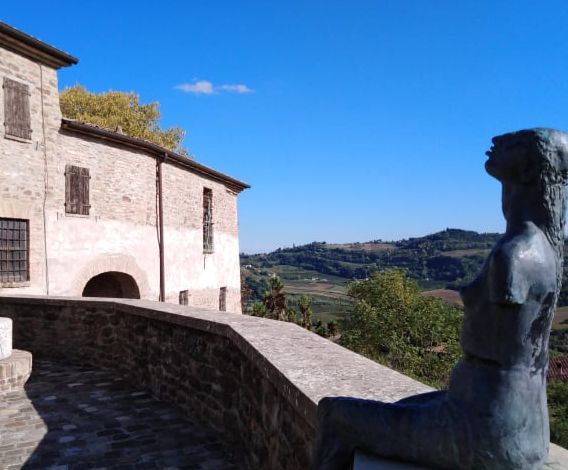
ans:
(207, 220)
(223, 299)
(77, 190)
(183, 297)
(14, 250)
(17, 118)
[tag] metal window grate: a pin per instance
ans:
(14, 250)
(223, 299)
(207, 220)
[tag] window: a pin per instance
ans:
(17, 120)
(207, 220)
(223, 299)
(14, 250)
(77, 190)
(183, 297)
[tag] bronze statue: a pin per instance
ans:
(494, 413)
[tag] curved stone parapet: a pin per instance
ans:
(255, 381)
(5, 337)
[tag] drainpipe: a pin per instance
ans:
(161, 229)
(46, 180)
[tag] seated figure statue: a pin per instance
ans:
(494, 413)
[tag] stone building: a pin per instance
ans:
(87, 211)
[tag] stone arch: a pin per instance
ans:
(112, 284)
(122, 264)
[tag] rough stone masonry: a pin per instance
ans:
(60, 252)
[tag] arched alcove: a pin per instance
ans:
(112, 284)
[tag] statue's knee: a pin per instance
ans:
(326, 406)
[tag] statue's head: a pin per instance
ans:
(530, 156)
(532, 164)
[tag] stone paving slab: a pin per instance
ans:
(73, 417)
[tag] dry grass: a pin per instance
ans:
(450, 296)
(561, 318)
(325, 290)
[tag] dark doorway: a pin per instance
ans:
(112, 284)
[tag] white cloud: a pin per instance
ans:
(205, 87)
(200, 87)
(236, 88)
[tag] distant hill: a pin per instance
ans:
(439, 261)
(442, 260)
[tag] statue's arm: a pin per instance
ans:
(508, 283)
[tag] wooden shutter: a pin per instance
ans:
(207, 220)
(77, 190)
(84, 191)
(17, 119)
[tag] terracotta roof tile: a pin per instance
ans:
(558, 368)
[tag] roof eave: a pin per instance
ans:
(153, 149)
(33, 48)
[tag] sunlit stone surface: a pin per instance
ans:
(5, 338)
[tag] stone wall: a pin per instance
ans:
(120, 232)
(121, 227)
(23, 163)
(255, 381)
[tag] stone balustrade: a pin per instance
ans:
(255, 381)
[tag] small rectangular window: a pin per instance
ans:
(77, 190)
(223, 299)
(207, 220)
(183, 297)
(17, 118)
(14, 250)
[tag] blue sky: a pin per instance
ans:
(352, 120)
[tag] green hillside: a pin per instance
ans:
(438, 262)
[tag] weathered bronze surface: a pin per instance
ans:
(494, 413)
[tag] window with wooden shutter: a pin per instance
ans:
(223, 299)
(207, 220)
(17, 118)
(77, 190)
(14, 250)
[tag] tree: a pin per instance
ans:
(305, 311)
(393, 324)
(320, 329)
(246, 291)
(291, 315)
(275, 300)
(118, 110)
(558, 410)
(332, 329)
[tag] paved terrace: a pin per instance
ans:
(254, 382)
(72, 417)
